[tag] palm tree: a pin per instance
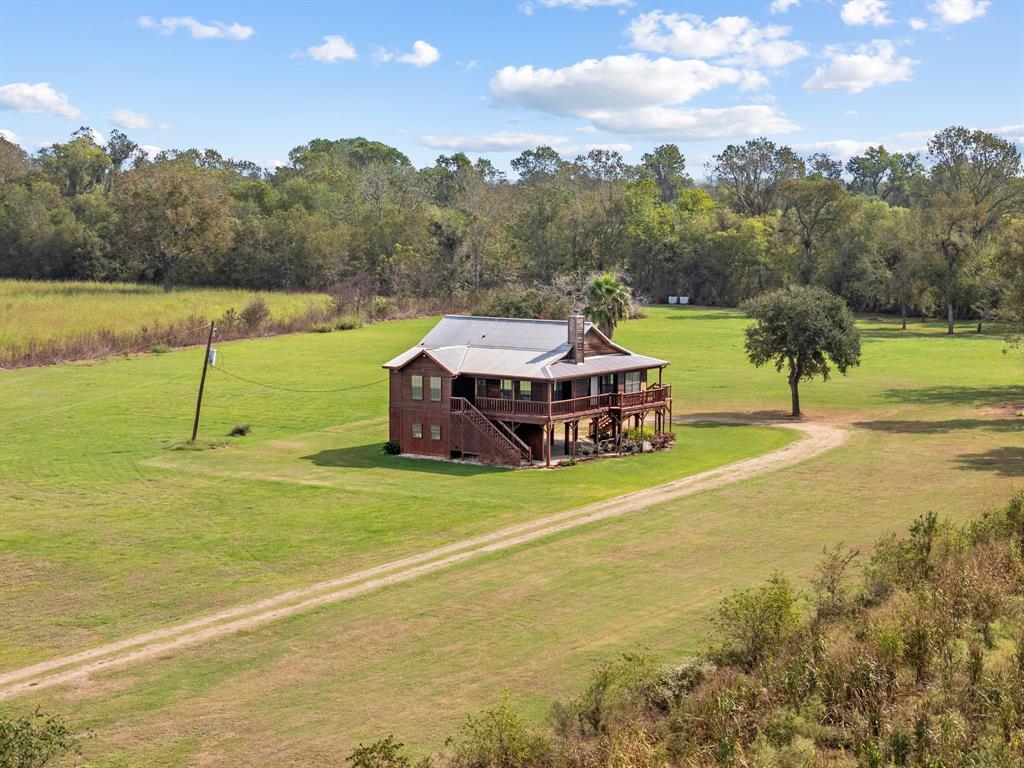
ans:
(608, 302)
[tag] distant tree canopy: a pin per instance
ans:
(885, 230)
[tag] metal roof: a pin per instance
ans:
(497, 333)
(505, 347)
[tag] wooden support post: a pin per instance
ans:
(547, 445)
(202, 382)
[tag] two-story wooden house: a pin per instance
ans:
(495, 389)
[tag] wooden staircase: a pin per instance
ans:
(474, 434)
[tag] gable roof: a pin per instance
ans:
(508, 347)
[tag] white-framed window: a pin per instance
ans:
(435, 389)
(417, 387)
(417, 431)
(525, 390)
(632, 382)
(435, 431)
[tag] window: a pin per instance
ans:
(435, 389)
(417, 387)
(506, 389)
(417, 431)
(435, 432)
(632, 383)
(525, 390)
(607, 383)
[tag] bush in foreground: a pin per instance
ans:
(920, 665)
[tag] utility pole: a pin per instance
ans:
(202, 382)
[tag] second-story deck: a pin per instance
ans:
(540, 411)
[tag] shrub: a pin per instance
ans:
(384, 753)
(381, 307)
(756, 622)
(241, 430)
(160, 349)
(498, 738)
(525, 302)
(32, 741)
(392, 448)
(831, 591)
(639, 433)
(348, 323)
(321, 328)
(255, 314)
(568, 462)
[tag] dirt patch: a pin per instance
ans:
(1005, 409)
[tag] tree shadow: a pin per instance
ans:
(704, 313)
(711, 418)
(1008, 462)
(372, 457)
(957, 395)
(919, 427)
(897, 333)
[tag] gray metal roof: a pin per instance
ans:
(497, 333)
(513, 348)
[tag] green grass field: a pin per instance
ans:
(46, 311)
(107, 531)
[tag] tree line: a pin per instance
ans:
(939, 235)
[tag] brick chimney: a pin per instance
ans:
(576, 328)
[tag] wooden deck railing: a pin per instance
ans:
(576, 406)
(503, 407)
(652, 396)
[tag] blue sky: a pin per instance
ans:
(255, 79)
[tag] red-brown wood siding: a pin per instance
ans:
(404, 411)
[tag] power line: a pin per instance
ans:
(292, 389)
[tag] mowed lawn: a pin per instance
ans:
(110, 531)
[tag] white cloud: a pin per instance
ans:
(36, 97)
(97, 137)
(596, 86)
(620, 147)
(918, 24)
(576, 5)
(1014, 133)
(733, 39)
(501, 141)
(125, 118)
(11, 136)
(333, 48)
(636, 96)
(870, 64)
(199, 30)
(423, 54)
(839, 149)
(857, 13)
(677, 124)
(852, 113)
(959, 11)
(781, 6)
(150, 150)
